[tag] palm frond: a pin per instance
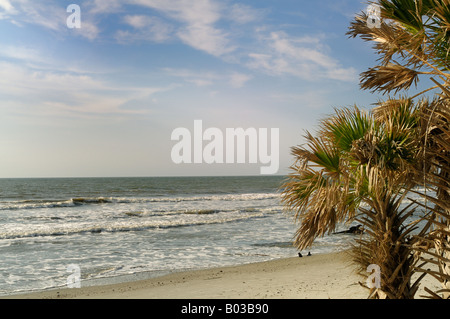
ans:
(346, 126)
(388, 78)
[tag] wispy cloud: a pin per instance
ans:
(303, 57)
(103, 6)
(199, 78)
(316, 99)
(42, 13)
(206, 78)
(238, 80)
(243, 14)
(88, 30)
(21, 53)
(6, 5)
(50, 93)
(197, 19)
(144, 28)
(206, 38)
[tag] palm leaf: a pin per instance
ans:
(387, 78)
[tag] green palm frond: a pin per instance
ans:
(406, 12)
(322, 155)
(346, 126)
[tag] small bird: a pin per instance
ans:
(309, 253)
(300, 255)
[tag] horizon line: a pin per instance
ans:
(142, 176)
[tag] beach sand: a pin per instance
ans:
(321, 276)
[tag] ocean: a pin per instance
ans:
(122, 229)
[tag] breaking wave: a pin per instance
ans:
(202, 217)
(72, 202)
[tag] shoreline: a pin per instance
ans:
(322, 276)
(319, 276)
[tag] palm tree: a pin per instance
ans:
(360, 158)
(413, 40)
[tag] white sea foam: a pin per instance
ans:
(149, 220)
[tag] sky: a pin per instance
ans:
(104, 99)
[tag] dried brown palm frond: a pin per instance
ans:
(392, 41)
(314, 190)
(388, 78)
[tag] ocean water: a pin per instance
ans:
(117, 229)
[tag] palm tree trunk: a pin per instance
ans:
(390, 250)
(395, 267)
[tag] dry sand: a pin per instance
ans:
(319, 277)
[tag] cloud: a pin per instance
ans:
(316, 99)
(206, 38)
(6, 5)
(243, 14)
(27, 54)
(42, 13)
(238, 80)
(138, 21)
(205, 78)
(88, 30)
(49, 93)
(204, 12)
(197, 19)
(145, 28)
(195, 77)
(303, 57)
(103, 6)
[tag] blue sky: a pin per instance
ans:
(103, 100)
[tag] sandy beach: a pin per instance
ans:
(325, 276)
(321, 276)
